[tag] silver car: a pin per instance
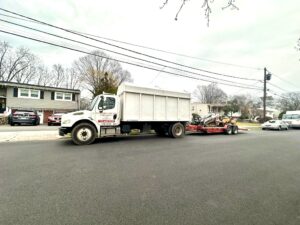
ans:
(275, 125)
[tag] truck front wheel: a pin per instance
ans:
(177, 130)
(83, 134)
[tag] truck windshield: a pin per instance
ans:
(285, 116)
(291, 116)
(93, 103)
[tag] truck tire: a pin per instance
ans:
(177, 130)
(235, 130)
(83, 134)
(229, 130)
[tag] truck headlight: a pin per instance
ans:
(66, 121)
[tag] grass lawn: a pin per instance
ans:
(244, 124)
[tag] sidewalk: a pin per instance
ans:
(13, 136)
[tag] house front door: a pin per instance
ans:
(2, 105)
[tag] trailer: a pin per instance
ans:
(165, 112)
(213, 124)
(226, 129)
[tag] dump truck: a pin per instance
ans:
(133, 107)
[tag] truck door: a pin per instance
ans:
(108, 111)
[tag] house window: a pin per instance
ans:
(68, 97)
(63, 96)
(24, 93)
(34, 94)
(28, 93)
(59, 96)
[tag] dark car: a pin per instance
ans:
(55, 119)
(24, 117)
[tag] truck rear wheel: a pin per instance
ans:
(83, 134)
(177, 130)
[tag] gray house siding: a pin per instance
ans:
(40, 104)
(2, 91)
(44, 103)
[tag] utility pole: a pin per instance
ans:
(265, 94)
(267, 76)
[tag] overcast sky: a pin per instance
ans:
(260, 34)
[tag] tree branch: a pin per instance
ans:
(183, 2)
(206, 6)
(166, 2)
(231, 4)
(207, 9)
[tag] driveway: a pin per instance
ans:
(8, 128)
(28, 133)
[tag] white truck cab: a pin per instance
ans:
(133, 107)
(292, 118)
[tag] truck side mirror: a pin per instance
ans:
(100, 106)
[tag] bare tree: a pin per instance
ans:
(58, 75)
(28, 73)
(248, 105)
(289, 101)
(4, 51)
(210, 94)
(206, 7)
(298, 45)
(84, 103)
(72, 79)
(16, 65)
(43, 76)
(100, 74)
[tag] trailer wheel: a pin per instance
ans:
(235, 130)
(177, 130)
(83, 134)
(229, 130)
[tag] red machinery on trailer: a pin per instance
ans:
(213, 124)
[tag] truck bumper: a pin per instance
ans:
(62, 131)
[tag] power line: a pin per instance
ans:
(126, 49)
(169, 52)
(278, 87)
(288, 82)
(149, 48)
(236, 92)
(280, 96)
(69, 39)
(18, 18)
(121, 61)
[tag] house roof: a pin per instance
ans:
(211, 105)
(40, 87)
(268, 109)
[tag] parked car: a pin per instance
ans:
(55, 119)
(275, 125)
(24, 117)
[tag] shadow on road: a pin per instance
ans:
(108, 140)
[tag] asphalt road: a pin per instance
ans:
(251, 178)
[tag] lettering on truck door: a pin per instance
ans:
(108, 112)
